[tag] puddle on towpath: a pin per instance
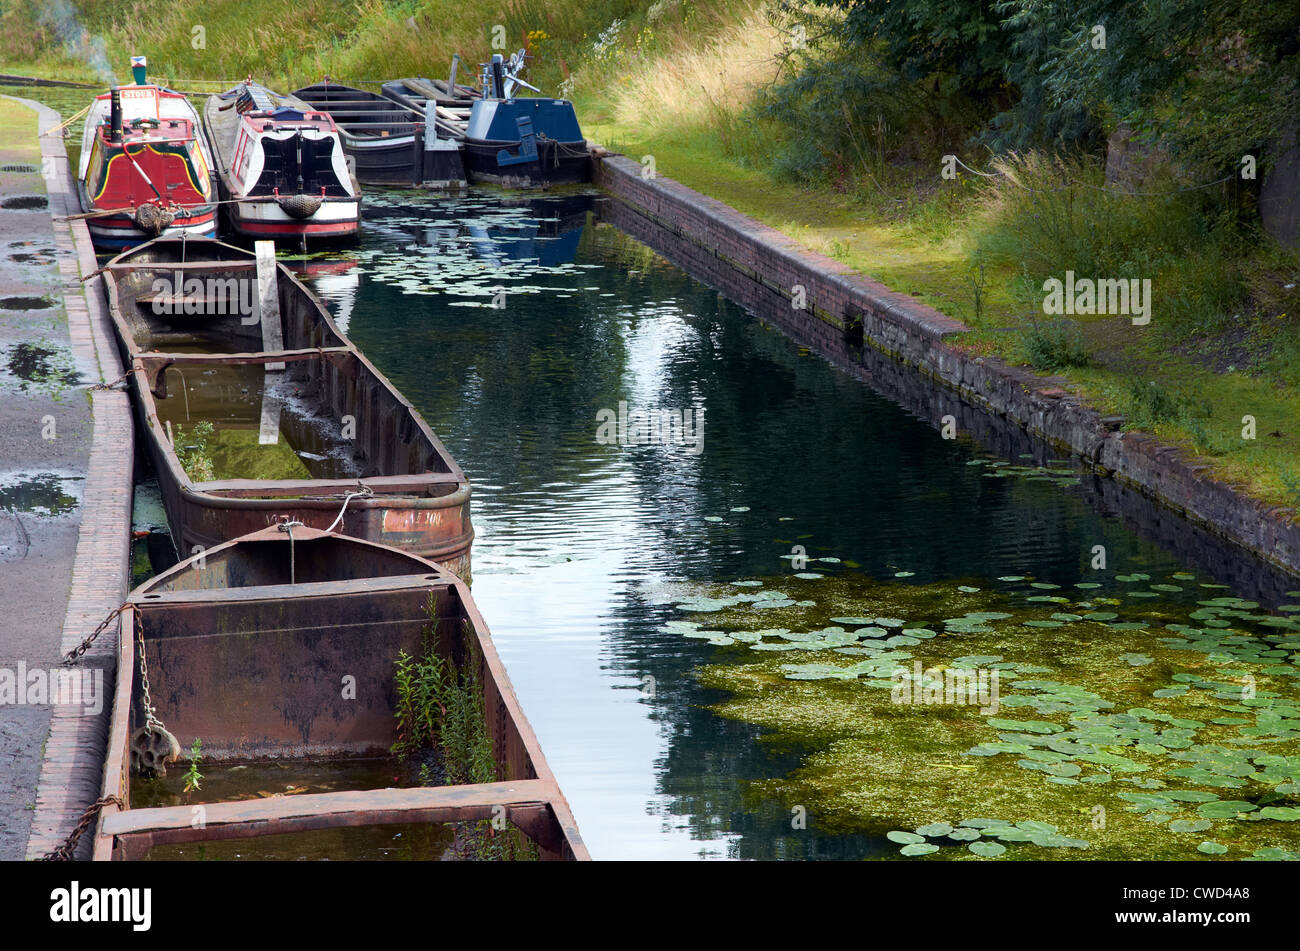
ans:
(25, 303)
(25, 202)
(32, 366)
(43, 494)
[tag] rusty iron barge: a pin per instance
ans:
(235, 364)
(245, 648)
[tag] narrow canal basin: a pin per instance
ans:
(585, 551)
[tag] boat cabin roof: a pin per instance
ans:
(285, 116)
(265, 111)
(143, 131)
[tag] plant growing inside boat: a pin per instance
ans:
(193, 777)
(440, 709)
(192, 451)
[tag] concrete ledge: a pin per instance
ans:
(72, 772)
(845, 308)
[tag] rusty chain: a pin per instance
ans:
(84, 646)
(64, 853)
(150, 720)
(112, 384)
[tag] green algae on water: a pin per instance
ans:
(1109, 725)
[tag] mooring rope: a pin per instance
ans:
(287, 526)
(365, 491)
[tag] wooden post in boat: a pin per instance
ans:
(268, 306)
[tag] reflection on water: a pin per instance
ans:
(582, 547)
(512, 322)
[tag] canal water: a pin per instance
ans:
(517, 325)
(707, 634)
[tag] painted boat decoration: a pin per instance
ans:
(384, 139)
(255, 408)
(522, 141)
(144, 158)
(246, 648)
(281, 166)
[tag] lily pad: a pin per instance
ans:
(934, 829)
(905, 838)
(986, 849)
(921, 849)
(1225, 810)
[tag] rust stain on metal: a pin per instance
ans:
(250, 663)
(414, 490)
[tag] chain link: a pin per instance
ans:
(72, 655)
(150, 720)
(112, 384)
(64, 853)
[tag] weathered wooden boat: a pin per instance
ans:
(522, 141)
(277, 415)
(281, 167)
(277, 652)
(144, 169)
(445, 106)
(384, 139)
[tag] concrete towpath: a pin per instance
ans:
(66, 457)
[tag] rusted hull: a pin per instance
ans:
(438, 529)
(252, 664)
(404, 489)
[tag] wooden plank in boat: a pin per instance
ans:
(268, 306)
(268, 300)
(154, 357)
(424, 804)
(227, 265)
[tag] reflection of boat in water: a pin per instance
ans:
(543, 229)
(336, 285)
(281, 166)
(550, 237)
(246, 644)
(144, 157)
(299, 423)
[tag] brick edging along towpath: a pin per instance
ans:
(72, 773)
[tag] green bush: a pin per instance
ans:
(1054, 346)
(1052, 214)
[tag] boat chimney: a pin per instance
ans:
(138, 66)
(451, 83)
(115, 114)
(498, 78)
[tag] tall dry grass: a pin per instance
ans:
(698, 72)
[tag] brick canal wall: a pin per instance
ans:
(844, 310)
(72, 772)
